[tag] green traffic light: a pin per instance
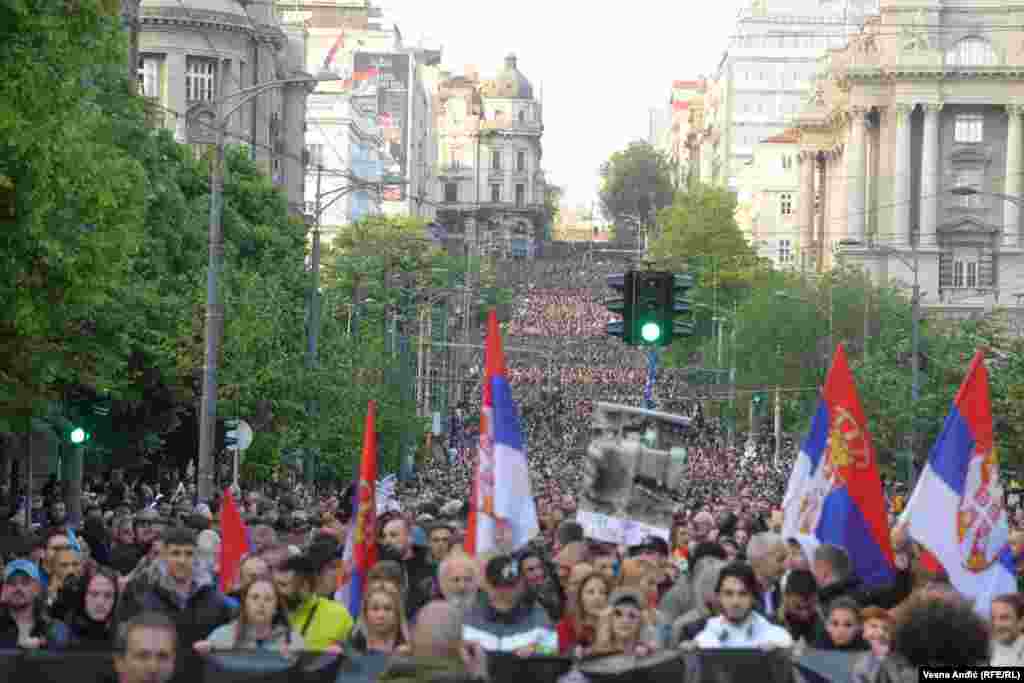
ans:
(650, 332)
(78, 435)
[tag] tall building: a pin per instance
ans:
(490, 183)
(769, 199)
(913, 137)
(761, 77)
(368, 133)
(677, 138)
(193, 54)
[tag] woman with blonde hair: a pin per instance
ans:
(382, 628)
(578, 628)
(623, 628)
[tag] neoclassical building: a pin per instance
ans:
(910, 143)
(489, 177)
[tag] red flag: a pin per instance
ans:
(470, 543)
(364, 529)
(234, 541)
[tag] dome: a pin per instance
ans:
(511, 83)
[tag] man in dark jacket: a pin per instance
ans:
(836, 577)
(396, 544)
(23, 620)
(180, 589)
(505, 621)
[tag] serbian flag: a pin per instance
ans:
(234, 542)
(835, 493)
(470, 543)
(361, 545)
(505, 517)
(957, 510)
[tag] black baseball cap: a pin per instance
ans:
(650, 543)
(502, 571)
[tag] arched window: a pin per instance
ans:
(971, 52)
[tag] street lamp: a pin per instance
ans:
(830, 313)
(915, 317)
(214, 309)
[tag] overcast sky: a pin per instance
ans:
(602, 64)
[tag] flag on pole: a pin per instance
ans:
(652, 374)
(505, 517)
(957, 509)
(361, 546)
(338, 44)
(470, 542)
(835, 492)
(234, 541)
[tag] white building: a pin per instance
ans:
(769, 199)
(762, 76)
(195, 53)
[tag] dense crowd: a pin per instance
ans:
(142, 574)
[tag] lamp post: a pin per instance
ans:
(914, 265)
(225, 106)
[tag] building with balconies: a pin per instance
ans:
(913, 139)
(193, 53)
(490, 184)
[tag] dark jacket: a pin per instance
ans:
(204, 610)
(88, 635)
(885, 596)
(54, 632)
(124, 558)
(419, 573)
(526, 625)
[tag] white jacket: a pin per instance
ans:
(755, 631)
(1008, 655)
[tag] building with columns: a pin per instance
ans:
(911, 139)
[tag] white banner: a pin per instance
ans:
(615, 529)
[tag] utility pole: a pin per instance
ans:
(214, 324)
(778, 424)
(313, 332)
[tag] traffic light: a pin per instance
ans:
(624, 284)
(78, 436)
(681, 284)
(652, 308)
(225, 436)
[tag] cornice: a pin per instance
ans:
(166, 17)
(908, 72)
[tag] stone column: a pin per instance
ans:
(901, 177)
(856, 174)
(806, 216)
(1014, 181)
(822, 197)
(930, 170)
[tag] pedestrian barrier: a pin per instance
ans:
(708, 666)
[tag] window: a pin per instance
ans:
(149, 76)
(969, 178)
(496, 161)
(972, 274)
(520, 160)
(451, 192)
(520, 195)
(522, 116)
(785, 251)
(315, 155)
(971, 52)
(495, 192)
(200, 74)
(969, 128)
(958, 274)
(785, 204)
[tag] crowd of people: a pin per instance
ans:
(140, 575)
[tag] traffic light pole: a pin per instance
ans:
(74, 479)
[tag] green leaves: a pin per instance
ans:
(635, 182)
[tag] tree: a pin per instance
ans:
(78, 193)
(636, 182)
(553, 195)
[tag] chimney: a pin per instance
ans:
(510, 62)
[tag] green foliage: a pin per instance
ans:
(635, 182)
(65, 147)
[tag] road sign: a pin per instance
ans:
(241, 432)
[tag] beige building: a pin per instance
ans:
(194, 53)
(912, 138)
(489, 179)
(769, 199)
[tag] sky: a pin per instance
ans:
(602, 64)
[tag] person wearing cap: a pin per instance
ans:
(23, 620)
(655, 550)
(505, 621)
(624, 629)
(738, 624)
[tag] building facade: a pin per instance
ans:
(758, 84)
(194, 54)
(489, 179)
(769, 199)
(913, 136)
